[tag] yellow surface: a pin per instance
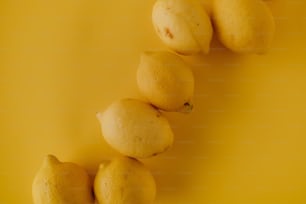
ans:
(61, 61)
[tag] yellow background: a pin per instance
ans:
(61, 61)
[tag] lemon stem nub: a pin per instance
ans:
(187, 108)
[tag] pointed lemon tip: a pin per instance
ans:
(146, 55)
(50, 160)
(103, 165)
(99, 116)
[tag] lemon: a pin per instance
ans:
(244, 26)
(183, 25)
(124, 181)
(166, 81)
(135, 128)
(61, 183)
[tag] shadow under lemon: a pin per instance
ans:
(182, 170)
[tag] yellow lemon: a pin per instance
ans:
(61, 183)
(183, 25)
(244, 26)
(166, 81)
(124, 181)
(135, 128)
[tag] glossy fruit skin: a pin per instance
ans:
(124, 181)
(244, 26)
(166, 81)
(61, 183)
(183, 25)
(135, 128)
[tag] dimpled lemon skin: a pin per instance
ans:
(166, 81)
(244, 26)
(183, 25)
(135, 128)
(61, 183)
(124, 181)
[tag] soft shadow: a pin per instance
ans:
(176, 170)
